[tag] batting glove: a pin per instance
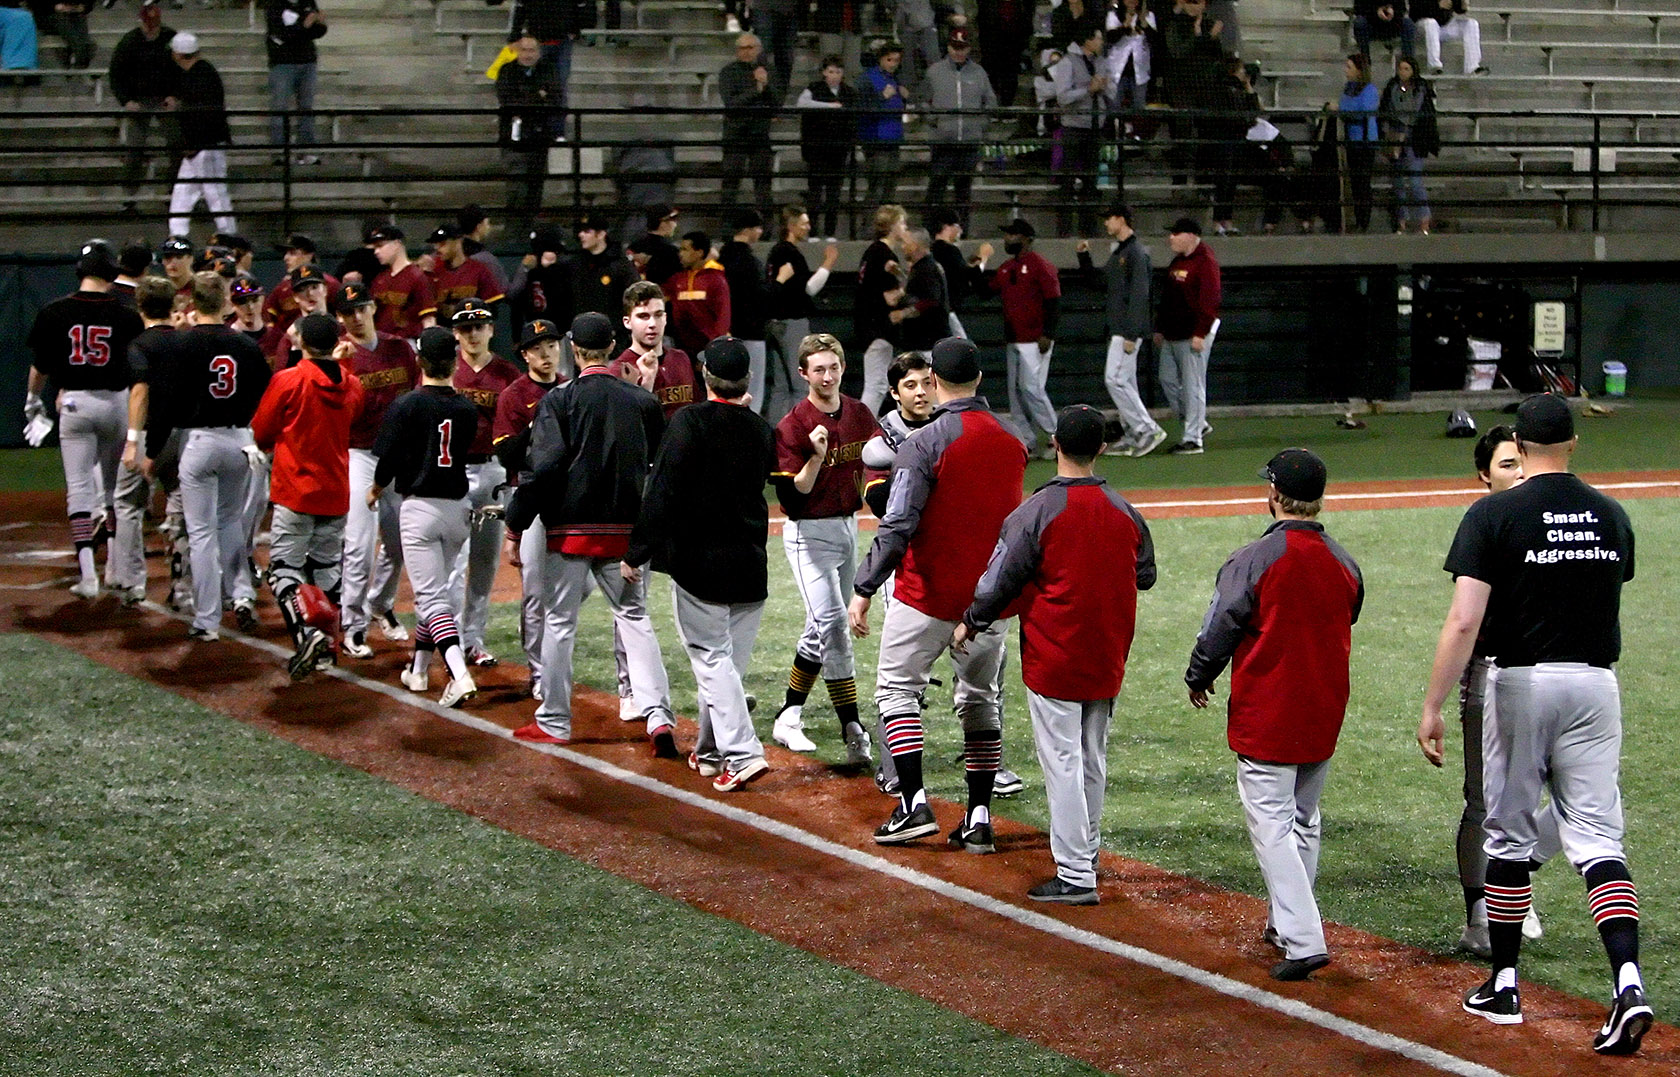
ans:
(37, 423)
(256, 458)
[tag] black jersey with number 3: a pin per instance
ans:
(205, 376)
(81, 341)
(1556, 553)
(424, 441)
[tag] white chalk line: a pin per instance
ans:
(1224, 985)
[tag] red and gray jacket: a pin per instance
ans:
(1061, 554)
(954, 481)
(1283, 612)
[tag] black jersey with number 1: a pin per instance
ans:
(81, 341)
(424, 441)
(207, 376)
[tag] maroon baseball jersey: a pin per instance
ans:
(483, 388)
(387, 371)
(839, 488)
(469, 280)
(402, 301)
(515, 409)
(677, 384)
(281, 308)
(1025, 282)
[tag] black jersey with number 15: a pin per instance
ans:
(81, 341)
(424, 441)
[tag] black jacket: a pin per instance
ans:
(826, 131)
(597, 283)
(749, 294)
(143, 70)
(551, 20)
(530, 96)
(202, 119)
(747, 110)
(288, 40)
(961, 279)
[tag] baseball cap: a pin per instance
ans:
(546, 237)
(445, 232)
(385, 233)
(1297, 474)
(223, 265)
(472, 312)
(97, 259)
(305, 275)
(1461, 425)
(1188, 225)
(658, 212)
(956, 360)
(1545, 419)
(437, 344)
(353, 295)
(959, 37)
(591, 330)
(232, 242)
(537, 331)
(184, 43)
(1079, 430)
(297, 241)
(1020, 227)
(1118, 209)
(727, 359)
(744, 219)
(318, 332)
(174, 247)
(245, 286)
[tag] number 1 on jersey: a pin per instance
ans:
(444, 459)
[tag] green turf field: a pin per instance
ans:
(187, 895)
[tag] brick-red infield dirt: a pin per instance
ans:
(1390, 1009)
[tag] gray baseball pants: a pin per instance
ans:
(474, 573)
(1027, 370)
(823, 556)
(434, 530)
(1183, 372)
(128, 545)
(877, 357)
(533, 561)
(304, 548)
(215, 476)
(372, 547)
(789, 332)
(911, 642)
(1280, 805)
(92, 428)
(1472, 858)
(1120, 379)
(719, 639)
(1072, 741)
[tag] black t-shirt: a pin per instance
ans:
(206, 376)
(81, 341)
(1556, 553)
(869, 310)
(788, 299)
(144, 351)
(424, 441)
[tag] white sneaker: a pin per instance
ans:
(415, 681)
(789, 731)
(458, 691)
(627, 709)
(391, 628)
(356, 646)
(1531, 924)
(86, 587)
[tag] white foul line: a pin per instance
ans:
(1213, 981)
(1379, 496)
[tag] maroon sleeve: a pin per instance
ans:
(1049, 283)
(1205, 302)
(793, 444)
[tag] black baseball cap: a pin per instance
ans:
(445, 232)
(546, 237)
(1188, 225)
(308, 274)
(245, 286)
(385, 233)
(956, 360)
(469, 217)
(1079, 430)
(174, 247)
(1297, 473)
(437, 344)
(223, 265)
(318, 332)
(1545, 419)
(98, 259)
(744, 219)
(352, 296)
(727, 359)
(592, 330)
(535, 332)
(658, 212)
(1020, 227)
(472, 312)
(297, 241)
(232, 241)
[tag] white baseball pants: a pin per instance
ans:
(215, 476)
(372, 547)
(1120, 379)
(1072, 742)
(823, 556)
(474, 574)
(1027, 371)
(877, 357)
(1280, 806)
(719, 639)
(433, 531)
(203, 176)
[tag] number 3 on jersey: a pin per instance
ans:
(444, 429)
(227, 377)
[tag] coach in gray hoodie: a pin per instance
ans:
(959, 99)
(1126, 276)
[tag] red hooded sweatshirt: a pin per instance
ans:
(304, 420)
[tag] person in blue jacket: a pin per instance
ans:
(1358, 106)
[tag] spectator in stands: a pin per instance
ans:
(917, 26)
(881, 123)
(1081, 92)
(1227, 28)
(528, 91)
(749, 297)
(778, 22)
(794, 287)
(921, 309)
(1409, 134)
(827, 125)
(1072, 20)
(962, 277)
(1448, 19)
(1006, 31)
(201, 137)
(1185, 328)
(838, 24)
(143, 80)
(293, 28)
(1239, 108)
(1196, 81)
(878, 277)
(475, 225)
(69, 20)
(556, 24)
(959, 100)
(1358, 107)
(1128, 63)
(19, 45)
(1380, 20)
(653, 253)
(749, 104)
(697, 296)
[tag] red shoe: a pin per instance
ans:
(536, 734)
(664, 743)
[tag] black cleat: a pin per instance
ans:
(1299, 968)
(1064, 893)
(1502, 1007)
(1630, 1018)
(907, 826)
(887, 784)
(976, 838)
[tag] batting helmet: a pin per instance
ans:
(98, 259)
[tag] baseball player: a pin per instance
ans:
(402, 292)
(954, 482)
(704, 523)
(247, 297)
(1062, 550)
(793, 289)
(819, 481)
(878, 278)
(387, 369)
(80, 343)
(281, 308)
(480, 377)
(1126, 278)
(304, 420)
(154, 300)
(1032, 294)
(175, 256)
(422, 450)
(591, 442)
(1282, 617)
(309, 296)
(455, 277)
(212, 379)
(539, 346)
(1546, 560)
(670, 374)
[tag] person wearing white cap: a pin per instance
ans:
(202, 135)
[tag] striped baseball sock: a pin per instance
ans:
(446, 638)
(982, 755)
(1615, 909)
(843, 694)
(82, 528)
(904, 744)
(1509, 895)
(801, 679)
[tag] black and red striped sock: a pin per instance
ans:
(801, 679)
(1509, 895)
(1615, 909)
(904, 744)
(982, 755)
